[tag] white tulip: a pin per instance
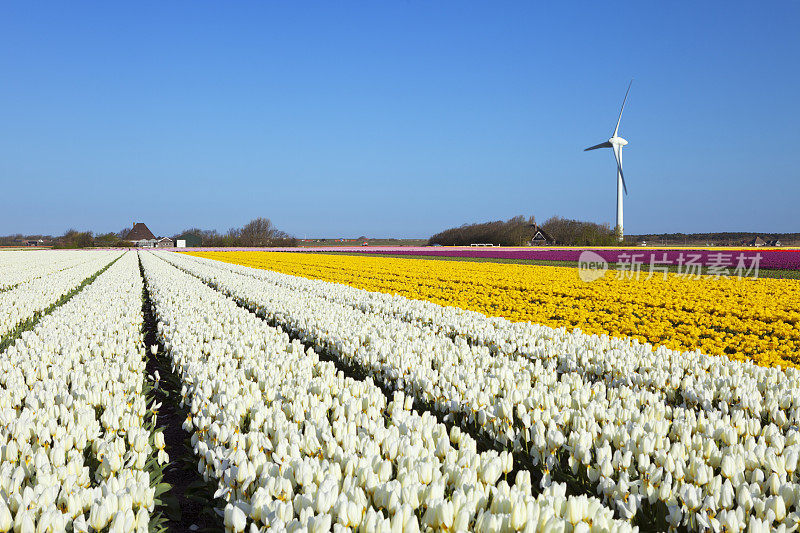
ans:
(6, 519)
(23, 522)
(235, 519)
(776, 505)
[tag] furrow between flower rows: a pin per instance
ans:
(189, 504)
(294, 443)
(655, 463)
(78, 447)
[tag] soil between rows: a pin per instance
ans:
(189, 506)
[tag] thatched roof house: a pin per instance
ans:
(540, 236)
(139, 232)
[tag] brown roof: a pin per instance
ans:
(541, 233)
(139, 232)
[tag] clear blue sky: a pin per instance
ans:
(396, 118)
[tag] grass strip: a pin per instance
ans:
(10, 287)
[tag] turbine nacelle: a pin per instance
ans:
(618, 141)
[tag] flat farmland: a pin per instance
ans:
(153, 390)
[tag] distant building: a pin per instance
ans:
(776, 242)
(164, 242)
(138, 233)
(540, 237)
(187, 240)
(757, 241)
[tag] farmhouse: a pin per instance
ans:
(540, 237)
(164, 242)
(140, 235)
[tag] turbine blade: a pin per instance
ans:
(601, 145)
(618, 158)
(623, 108)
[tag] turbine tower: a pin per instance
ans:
(616, 143)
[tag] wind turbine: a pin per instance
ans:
(616, 143)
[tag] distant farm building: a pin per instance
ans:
(757, 241)
(140, 235)
(187, 240)
(540, 237)
(164, 242)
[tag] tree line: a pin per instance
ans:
(256, 233)
(570, 232)
(86, 239)
(519, 230)
(728, 238)
(513, 232)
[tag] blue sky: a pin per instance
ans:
(396, 118)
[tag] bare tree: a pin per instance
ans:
(258, 232)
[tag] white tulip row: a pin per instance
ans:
(296, 445)
(26, 299)
(631, 439)
(20, 266)
(72, 439)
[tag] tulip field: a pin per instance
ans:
(79, 451)
(331, 393)
(744, 319)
